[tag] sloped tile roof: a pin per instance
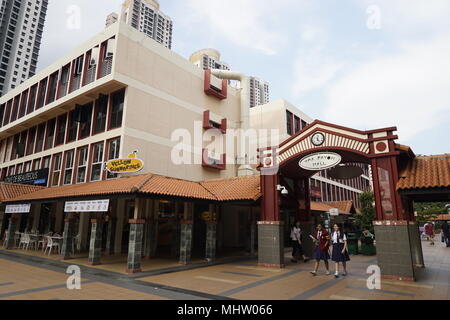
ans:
(240, 188)
(235, 189)
(10, 190)
(344, 207)
(426, 172)
(442, 217)
(320, 206)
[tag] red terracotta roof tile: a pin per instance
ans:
(10, 190)
(344, 207)
(240, 188)
(426, 172)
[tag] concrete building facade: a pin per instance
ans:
(21, 28)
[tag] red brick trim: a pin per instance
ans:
(69, 220)
(136, 221)
(96, 220)
(94, 263)
(211, 222)
(183, 263)
(187, 222)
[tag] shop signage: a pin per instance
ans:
(18, 208)
(130, 165)
(320, 161)
(38, 177)
(87, 206)
(334, 212)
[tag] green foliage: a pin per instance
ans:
(364, 221)
(427, 211)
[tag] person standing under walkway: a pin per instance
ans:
(322, 241)
(429, 230)
(340, 250)
(446, 233)
(296, 239)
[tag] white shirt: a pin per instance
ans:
(336, 237)
(296, 234)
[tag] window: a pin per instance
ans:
(7, 112)
(73, 126)
(27, 167)
(82, 164)
(297, 124)
(56, 175)
(46, 163)
(23, 104)
(2, 113)
(97, 162)
(117, 100)
(41, 94)
(31, 141)
(15, 109)
(68, 171)
(86, 121)
(36, 164)
(101, 108)
(52, 87)
(40, 137)
(64, 82)
(50, 134)
(32, 99)
(289, 122)
(61, 130)
(113, 153)
(19, 169)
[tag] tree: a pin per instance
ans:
(364, 221)
(427, 211)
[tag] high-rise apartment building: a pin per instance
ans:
(259, 92)
(21, 28)
(146, 16)
(111, 19)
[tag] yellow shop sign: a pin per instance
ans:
(130, 165)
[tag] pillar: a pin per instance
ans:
(119, 226)
(11, 233)
(67, 245)
(59, 216)
(83, 230)
(398, 240)
(95, 248)
(270, 228)
(252, 237)
(186, 234)
(211, 240)
(36, 211)
(135, 246)
(110, 236)
(175, 250)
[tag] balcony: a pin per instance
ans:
(210, 124)
(213, 163)
(106, 67)
(76, 83)
(90, 74)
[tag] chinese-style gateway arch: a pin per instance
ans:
(399, 248)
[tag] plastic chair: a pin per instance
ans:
(50, 245)
(24, 241)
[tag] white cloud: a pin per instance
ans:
(409, 89)
(246, 23)
(313, 68)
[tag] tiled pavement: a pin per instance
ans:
(34, 278)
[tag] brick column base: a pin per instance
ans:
(135, 246)
(270, 244)
(186, 242)
(95, 248)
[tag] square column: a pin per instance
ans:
(270, 244)
(211, 240)
(150, 240)
(110, 236)
(95, 248)
(9, 241)
(135, 246)
(67, 245)
(186, 241)
(176, 238)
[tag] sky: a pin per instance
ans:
(357, 63)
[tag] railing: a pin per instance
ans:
(106, 67)
(76, 83)
(90, 75)
(63, 89)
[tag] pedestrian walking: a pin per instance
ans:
(429, 230)
(321, 240)
(297, 247)
(446, 233)
(340, 250)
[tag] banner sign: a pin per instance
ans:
(38, 177)
(87, 206)
(334, 212)
(130, 165)
(18, 208)
(320, 161)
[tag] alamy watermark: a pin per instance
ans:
(74, 280)
(374, 17)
